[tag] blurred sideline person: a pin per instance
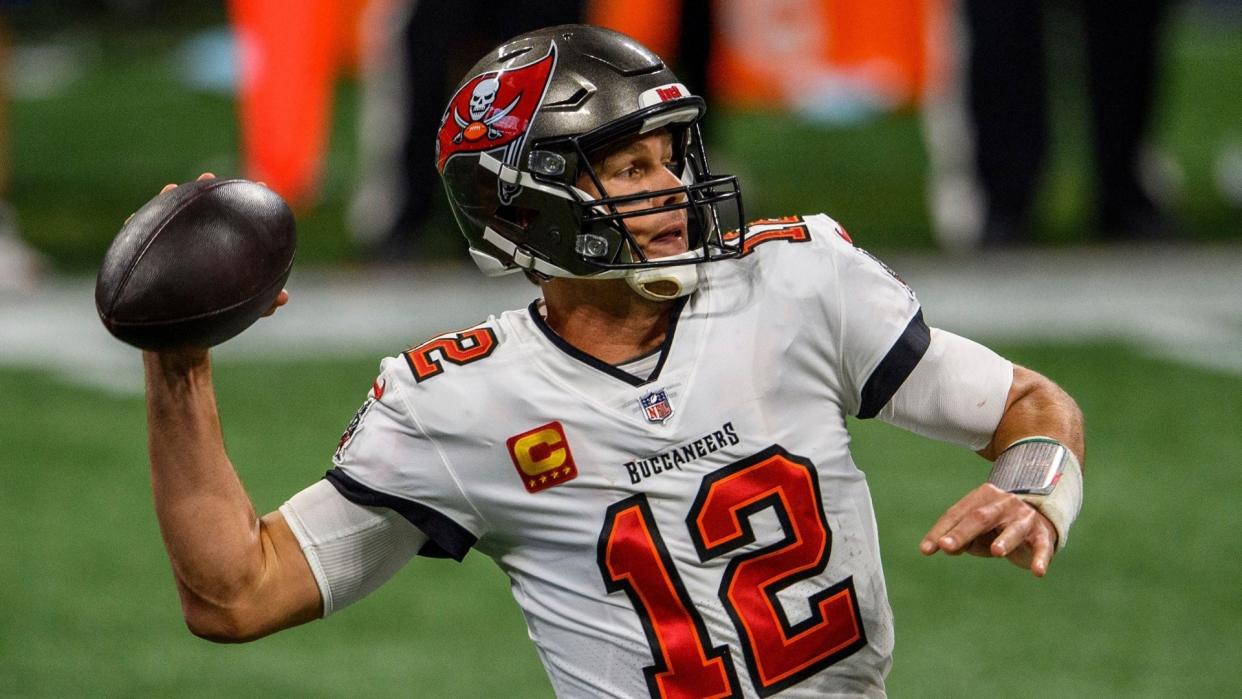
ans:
(655, 450)
(21, 266)
(1004, 147)
(426, 44)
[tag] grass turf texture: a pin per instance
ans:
(85, 158)
(1142, 603)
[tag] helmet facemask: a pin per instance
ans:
(603, 240)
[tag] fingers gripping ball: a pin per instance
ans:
(196, 265)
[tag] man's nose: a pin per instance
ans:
(669, 180)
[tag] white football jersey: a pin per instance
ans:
(702, 531)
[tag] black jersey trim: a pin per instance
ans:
(896, 366)
(446, 538)
(574, 352)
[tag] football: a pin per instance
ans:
(196, 265)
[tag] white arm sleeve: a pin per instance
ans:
(956, 393)
(352, 549)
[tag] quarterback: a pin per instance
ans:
(655, 449)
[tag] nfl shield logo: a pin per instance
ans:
(656, 407)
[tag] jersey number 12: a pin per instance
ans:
(633, 558)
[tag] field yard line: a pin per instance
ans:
(1183, 304)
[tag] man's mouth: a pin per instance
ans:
(668, 242)
(671, 233)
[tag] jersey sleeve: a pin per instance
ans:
(956, 394)
(878, 324)
(386, 459)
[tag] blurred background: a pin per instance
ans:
(1060, 178)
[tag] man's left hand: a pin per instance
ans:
(990, 522)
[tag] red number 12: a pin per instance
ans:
(778, 654)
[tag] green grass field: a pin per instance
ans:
(1142, 603)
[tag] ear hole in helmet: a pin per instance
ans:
(519, 216)
(529, 227)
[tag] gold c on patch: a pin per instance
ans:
(542, 458)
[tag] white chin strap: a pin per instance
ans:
(666, 283)
(656, 284)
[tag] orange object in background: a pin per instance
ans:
(653, 23)
(773, 53)
(894, 36)
(785, 53)
(290, 53)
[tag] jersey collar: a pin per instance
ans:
(604, 367)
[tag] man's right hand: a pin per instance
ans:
(281, 299)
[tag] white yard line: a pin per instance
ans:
(1183, 304)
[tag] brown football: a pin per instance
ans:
(196, 265)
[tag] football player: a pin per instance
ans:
(654, 450)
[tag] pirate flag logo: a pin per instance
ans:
(493, 111)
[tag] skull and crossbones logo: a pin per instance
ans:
(481, 102)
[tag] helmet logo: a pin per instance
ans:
(494, 110)
(482, 114)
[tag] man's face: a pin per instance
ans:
(638, 165)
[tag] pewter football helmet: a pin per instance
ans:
(522, 128)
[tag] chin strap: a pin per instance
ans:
(666, 283)
(655, 284)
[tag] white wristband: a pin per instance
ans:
(1044, 473)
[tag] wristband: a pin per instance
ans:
(1044, 473)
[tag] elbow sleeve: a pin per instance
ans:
(351, 549)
